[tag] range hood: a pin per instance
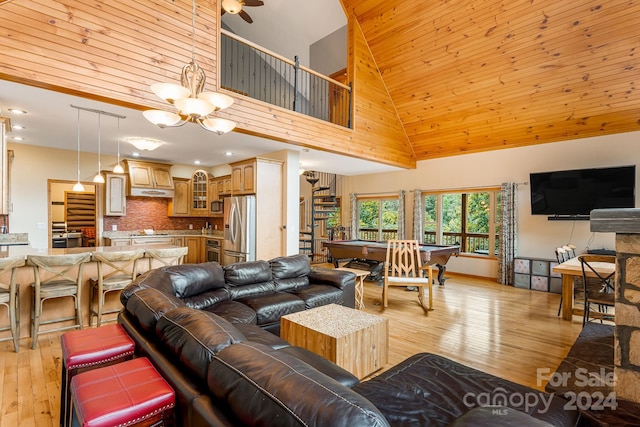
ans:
(149, 179)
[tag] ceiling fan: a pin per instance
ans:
(235, 7)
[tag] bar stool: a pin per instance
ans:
(115, 271)
(166, 256)
(56, 276)
(90, 349)
(125, 394)
(10, 297)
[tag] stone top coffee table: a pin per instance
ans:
(352, 339)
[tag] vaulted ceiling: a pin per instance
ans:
(475, 75)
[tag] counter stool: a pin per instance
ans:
(10, 297)
(90, 349)
(166, 256)
(125, 394)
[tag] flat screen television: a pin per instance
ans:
(574, 193)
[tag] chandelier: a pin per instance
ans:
(192, 102)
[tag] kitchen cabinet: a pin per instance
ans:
(222, 187)
(179, 204)
(152, 240)
(243, 176)
(199, 188)
(196, 249)
(146, 177)
(264, 178)
(178, 241)
(5, 126)
(115, 200)
(117, 241)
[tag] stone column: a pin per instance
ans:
(626, 224)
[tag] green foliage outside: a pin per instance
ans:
(376, 212)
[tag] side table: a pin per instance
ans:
(360, 275)
(352, 339)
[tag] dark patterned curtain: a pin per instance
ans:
(418, 216)
(507, 248)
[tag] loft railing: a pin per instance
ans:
(251, 70)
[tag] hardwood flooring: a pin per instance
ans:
(498, 329)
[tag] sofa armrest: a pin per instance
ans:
(344, 280)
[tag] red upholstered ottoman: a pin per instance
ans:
(88, 349)
(125, 394)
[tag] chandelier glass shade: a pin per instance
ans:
(192, 102)
(232, 6)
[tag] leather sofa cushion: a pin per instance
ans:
(156, 279)
(234, 312)
(257, 334)
(195, 336)
(428, 387)
(248, 278)
(328, 276)
(263, 386)
(193, 279)
(497, 416)
(290, 272)
(270, 308)
(207, 299)
(318, 295)
(323, 365)
(146, 306)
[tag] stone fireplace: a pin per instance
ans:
(626, 224)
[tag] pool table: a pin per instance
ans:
(437, 255)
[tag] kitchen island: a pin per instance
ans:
(61, 306)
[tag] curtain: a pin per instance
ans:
(507, 248)
(353, 209)
(402, 234)
(418, 216)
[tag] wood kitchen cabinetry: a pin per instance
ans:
(148, 176)
(196, 247)
(243, 177)
(179, 205)
(115, 200)
(199, 194)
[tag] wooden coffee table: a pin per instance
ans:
(355, 340)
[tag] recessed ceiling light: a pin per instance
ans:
(197, 162)
(228, 153)
(135, 154)
(18, 138)
(17, 111)
(19, 127)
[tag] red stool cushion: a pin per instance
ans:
(121, 394)
(93, 346)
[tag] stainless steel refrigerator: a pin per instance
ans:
(239, 229)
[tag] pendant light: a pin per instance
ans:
(99, 179)
(78, 185)
(118, 167)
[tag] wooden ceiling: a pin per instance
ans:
(470, 75)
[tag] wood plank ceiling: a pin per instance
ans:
(476, 75)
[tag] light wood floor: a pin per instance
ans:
(501, 330)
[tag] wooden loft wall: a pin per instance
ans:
(113, 50)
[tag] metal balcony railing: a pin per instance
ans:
(473, 242)
(251, 70)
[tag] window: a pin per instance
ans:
(378, 219)
(469, 219)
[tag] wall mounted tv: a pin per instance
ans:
(572, 194)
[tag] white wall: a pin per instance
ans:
(537, 236)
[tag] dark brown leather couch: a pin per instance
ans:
(231, 373)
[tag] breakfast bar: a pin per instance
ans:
(59, 307)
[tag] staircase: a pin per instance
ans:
(324, 206)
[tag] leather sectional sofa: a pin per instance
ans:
(228, 370)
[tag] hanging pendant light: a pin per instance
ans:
(78, 185)
(99, 179)
(192, 102)
(118, 167)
